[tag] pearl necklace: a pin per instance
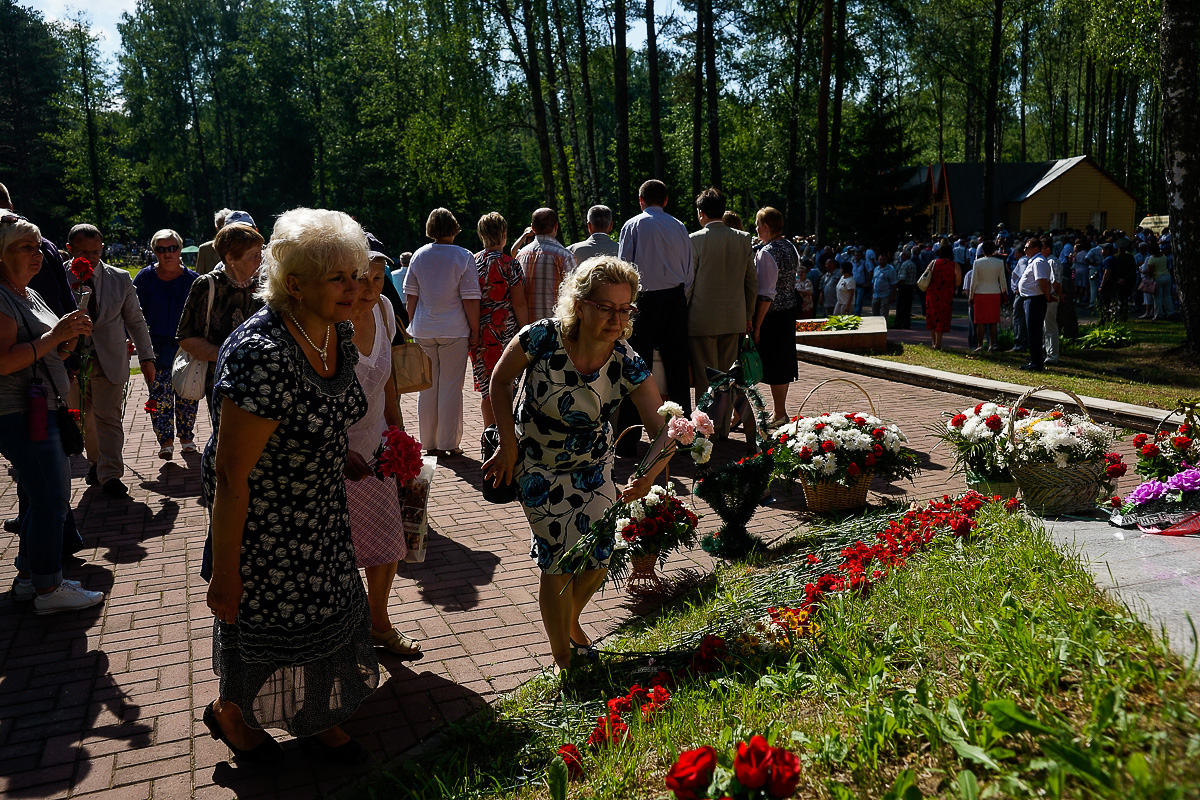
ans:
(324, 345)
(21, 293)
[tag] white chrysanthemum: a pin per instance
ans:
(670, 409)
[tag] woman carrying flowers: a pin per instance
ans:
(559, 448)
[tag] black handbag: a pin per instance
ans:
(489, 443)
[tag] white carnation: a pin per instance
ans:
(670, 409)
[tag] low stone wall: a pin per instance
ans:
(870, 337)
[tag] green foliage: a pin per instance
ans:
(844, 322)
(1110, 336)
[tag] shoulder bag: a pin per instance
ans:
(926, 277)
(188, 374)
(412, 369)
(489, 443)
(68, 430)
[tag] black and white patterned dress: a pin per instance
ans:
(564, 470)
(299, 656)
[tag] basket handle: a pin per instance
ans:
(838, 380)
(1012, 417)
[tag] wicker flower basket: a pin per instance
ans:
(1048, 489)
(823, 498)
(643, 579)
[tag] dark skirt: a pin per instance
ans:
(777, 347)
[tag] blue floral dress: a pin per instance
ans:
(564, 469)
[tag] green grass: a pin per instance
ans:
(1151, 372)
(983, 668)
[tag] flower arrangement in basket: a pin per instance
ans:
(1157, 506)
(659, 523)
(835, 456)
(979, 438)
(1060, 459)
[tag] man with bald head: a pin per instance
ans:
(545, 263)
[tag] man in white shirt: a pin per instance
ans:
(599, 242)
(1020, 332)
(1034, 287)
(1052, 334)
(658, 245)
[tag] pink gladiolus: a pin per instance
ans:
(681, 430)
(702, 422)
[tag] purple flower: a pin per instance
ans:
(1186, 481)
(1150, 490)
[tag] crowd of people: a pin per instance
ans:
(569, 347)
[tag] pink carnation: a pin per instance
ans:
(702, 422)
(681, 430)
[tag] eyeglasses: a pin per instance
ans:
(171, 248)
(610, 311)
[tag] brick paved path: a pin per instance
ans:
(107, 702)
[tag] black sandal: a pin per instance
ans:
(587, 651)
(351, 753)
(267, 752)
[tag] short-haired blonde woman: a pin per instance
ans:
(559, 448)
(442, 295)
(162, 289)
(502, 309)
(225, 299)
(292, 641)
(774, 329)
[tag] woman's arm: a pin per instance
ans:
(503, 462)
(760, 311)
(471, 309)
(520, 304)
(410, 305)
(199, 347)
(16, 356)
(240, 443)
(647, 400)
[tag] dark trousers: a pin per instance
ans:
(904, 298)
(972, 341)
(661, 324)
(1020, 333)
(1035, 323)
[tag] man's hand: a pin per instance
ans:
(148, 370)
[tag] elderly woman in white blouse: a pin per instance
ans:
(442, 296)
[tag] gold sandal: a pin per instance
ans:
(395, 642)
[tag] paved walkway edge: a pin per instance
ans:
(1125, 415)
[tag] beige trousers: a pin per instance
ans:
(104, 431)
(440, 407)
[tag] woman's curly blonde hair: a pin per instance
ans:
(582, 282)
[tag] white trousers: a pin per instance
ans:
(440, 407)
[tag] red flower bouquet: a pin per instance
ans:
(758, 771)
(398, 455)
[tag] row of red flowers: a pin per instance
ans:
(759, 771)
(611, 728)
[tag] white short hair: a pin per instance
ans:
(166, 233)
(16, 231)
(310, 243)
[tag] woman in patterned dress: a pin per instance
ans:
(291, 640)
(777, 263)
(502, 310)
(559, 447)
(376, 521)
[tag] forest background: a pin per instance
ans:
(389, 108)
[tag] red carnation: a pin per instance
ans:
(1181, 443)
(869, 460)
(879, 432)
(570, 756)
(805, 454)
(820, 426)
(1116, 470)
(1140, 440)
(1115, 502)
(828, 446)
(1185, 428)
(1150, 451)
(692, 772)
(994, 422)
(151, 406)
(853, 470)
(956, 421)
(753, 763)
(783, 437)
(82, 269)
(1012, 504)
(785, 773)
(978, 408)
(877, 449)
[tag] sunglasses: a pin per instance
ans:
(171, 248)
(626, 312)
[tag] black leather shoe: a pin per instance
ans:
(91, 479)
(1032, 368)
(351, 753)
(12, 525)
(267, 752)
(114, 487)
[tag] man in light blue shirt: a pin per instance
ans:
(659, 246)
(861, 271)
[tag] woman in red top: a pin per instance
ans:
(503, 310)
(939, 297)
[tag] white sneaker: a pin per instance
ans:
(22, 588)
(66, 598)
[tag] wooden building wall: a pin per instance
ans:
(1079, 193)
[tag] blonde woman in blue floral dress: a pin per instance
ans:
(559, 446)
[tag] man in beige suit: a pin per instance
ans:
(114, 309)
(721, 303)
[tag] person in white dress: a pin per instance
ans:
(376, 522)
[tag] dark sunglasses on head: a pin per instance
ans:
(171, 248)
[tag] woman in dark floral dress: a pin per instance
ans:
(579, 369)
(503, 308)
(291, 641)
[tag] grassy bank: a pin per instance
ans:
(1150, 372)
(987, 666)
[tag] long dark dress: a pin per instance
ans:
(939, 297)
(299, 656)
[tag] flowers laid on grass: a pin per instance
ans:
(838, 448)
(846, 322)
(777, 632)
(1167, 452)
(398, 454)
(569, 753)
(754, 769)
(1061, 438)
(979, 439)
